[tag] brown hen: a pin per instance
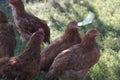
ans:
(26, 22)
(26, 66)
(69, 38)
(7, 37)
(74, 62)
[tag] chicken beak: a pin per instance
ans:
(97, 32)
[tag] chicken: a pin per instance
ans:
(74, 62)
(27, 23)
(69, 38)
(26, 66)
(7, 37)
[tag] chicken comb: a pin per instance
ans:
(41, 30)
(95, 28)
(97, 31)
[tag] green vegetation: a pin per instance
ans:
(107, 21)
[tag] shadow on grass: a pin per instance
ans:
(104, 29)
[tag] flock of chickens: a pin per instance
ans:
(68, 57)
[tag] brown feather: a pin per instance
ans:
(26, 66)
(74, 62)
(3, 17)
(69, 38)
(26, 22)
(7, 37)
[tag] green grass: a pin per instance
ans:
(107, 20)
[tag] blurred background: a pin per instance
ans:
(58, 13)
